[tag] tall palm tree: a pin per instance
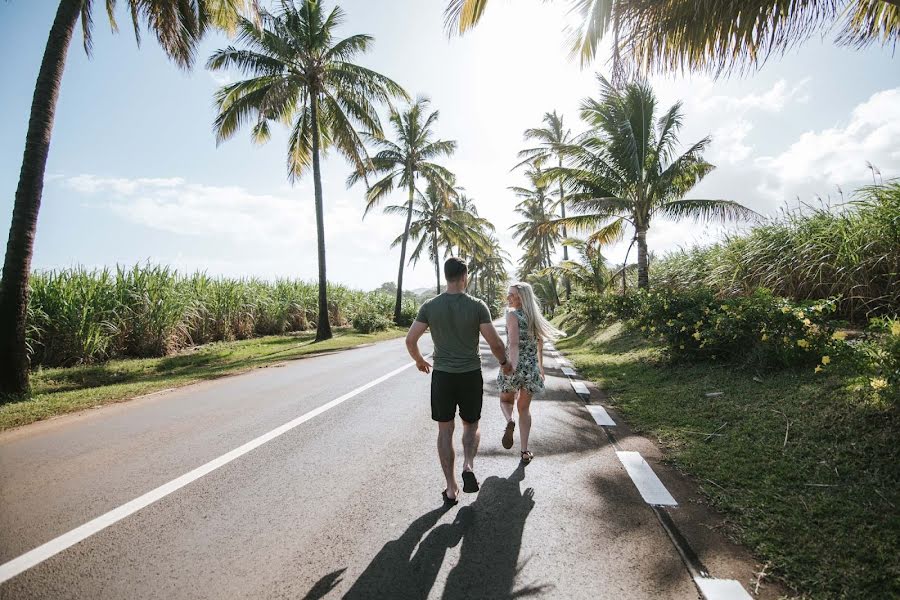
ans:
(712, 35)
(439, 223)
(625, 172)
(535, 233)
(401, 163)
(298, 73)
(552, 139)
(178, 26)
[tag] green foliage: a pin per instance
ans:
(368, 321)
(853, 254)
(78, 316)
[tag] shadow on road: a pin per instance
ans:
(490, 530)
(489, 563)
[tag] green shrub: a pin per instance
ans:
(408, 311)
(370, 321)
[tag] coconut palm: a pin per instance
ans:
(403, 162)
(298, 73)
(590, 272)
(487, 267)
(711, 35)
(438, 224)
(178, 27)
(535, 233)
(552, 139)
(624, 171)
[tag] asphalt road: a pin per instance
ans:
(346, 504)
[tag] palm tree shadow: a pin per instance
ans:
(489, 558)
(397, 573)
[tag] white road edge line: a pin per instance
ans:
(648, 484)
(601, 417)
(34, 557)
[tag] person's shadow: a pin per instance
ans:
(396, 573)
(489, 558)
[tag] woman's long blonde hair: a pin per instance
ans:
(539, 327)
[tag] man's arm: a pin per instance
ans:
(493, 340)
(412, 345)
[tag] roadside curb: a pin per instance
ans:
(651, 490)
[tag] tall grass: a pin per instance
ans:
(81, 316)
(852, 253)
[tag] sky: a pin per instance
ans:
(135, 174)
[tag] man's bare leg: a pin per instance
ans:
(447, 456)
(470, 439)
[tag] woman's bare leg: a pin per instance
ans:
(524, 405)
(506, 404)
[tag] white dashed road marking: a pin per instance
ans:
(600, 415)
(721, 589)
(581, 389)
(569, 372)
(648, 484)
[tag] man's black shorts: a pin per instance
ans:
(449, 390)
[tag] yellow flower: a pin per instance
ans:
(764, 337)
(819, 368)
(681, 346)
(698, 324)
(803, 343)
(684, 328)
(670, 322)
(679, 315)
(798, 314)
(807, 322)
(786, 340)
(839, 335)
(818, 308)
(785, 309)
(643, 328)
(653, 329)
(879, 383)
(895, 328)
(724, 307)
(705, 311)
(696, 335)
(826, 360)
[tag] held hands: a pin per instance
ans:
(423, 365)
(508, 368)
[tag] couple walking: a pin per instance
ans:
(456, 319)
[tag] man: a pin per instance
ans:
(455, 319)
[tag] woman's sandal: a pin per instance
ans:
(507, 441)
(448, 500)
(527, 456)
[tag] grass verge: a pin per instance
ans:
(806, 469)
(60, 391)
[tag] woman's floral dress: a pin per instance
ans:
(527, 375)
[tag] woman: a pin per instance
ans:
(526, 331)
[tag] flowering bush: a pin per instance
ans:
(880, 351)
(760, 329)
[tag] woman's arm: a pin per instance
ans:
(512, 336)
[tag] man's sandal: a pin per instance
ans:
(507, 440)
(448, 500)
(527, 456)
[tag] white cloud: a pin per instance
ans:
(773, 100)
(729, 142)
(838, 155)
(221, 78)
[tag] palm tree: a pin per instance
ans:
(535, 233)
(439, 223)
(487, 267)
(178, 27)
(591, 272)
(625, 172)
(298, 73)
(552, 139)
(402, 162)
(711, 35)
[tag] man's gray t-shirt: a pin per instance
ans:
(455, 321)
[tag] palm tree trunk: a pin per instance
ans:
(409, 209)
(643, 266)
(323, 326)
(20, 246)
(562, 206)
(437, 268)
(625, 263)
